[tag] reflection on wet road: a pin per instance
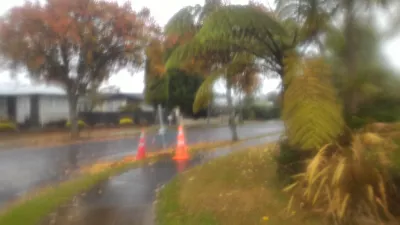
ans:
(127, 199)
(25, 169)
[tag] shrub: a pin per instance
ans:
(290, 161)
(357, 122)
(6, 125)
(81, 124)
(351, 184)
(126, 121)
(129, 108)
(56, 124)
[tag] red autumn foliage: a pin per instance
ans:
(155, 56)
(75, 42)
(46, 38)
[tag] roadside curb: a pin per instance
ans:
(125, 136)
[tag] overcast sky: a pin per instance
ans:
(162, 10)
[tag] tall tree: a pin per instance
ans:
(228, 53)
(315, 18)
(182, 88)
(213, 60)
(74, 43)
(156, 84)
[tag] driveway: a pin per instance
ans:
(26, 169)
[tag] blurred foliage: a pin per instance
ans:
(311, 110)
(183, 87)
(175, 88)
(260, 112)
(290, 160)
(81, 124)
(126, 121)
(374, 85)
(7, 125)
(130, 107)
(204, 94)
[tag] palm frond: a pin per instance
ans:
(243, 23)
(240, 17)
(184, 21)
(231, 30)
(212, 51)
(204, 94)
(244, 72)
(311, 111)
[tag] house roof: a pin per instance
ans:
(26, 90)
(13, 89)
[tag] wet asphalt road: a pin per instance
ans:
(128, 199)
(25, 169)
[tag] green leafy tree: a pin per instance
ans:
(171, 88)
(315, 19)
(375, 83)
(156, 89)
(156, 84)
(182, 90)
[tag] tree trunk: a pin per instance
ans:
(351, 102)
(73, 114)
(208, 113)
(231, 109)
(241, 119)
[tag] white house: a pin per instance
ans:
(40, 108)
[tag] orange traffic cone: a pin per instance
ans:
(141, 152)
(181, 147)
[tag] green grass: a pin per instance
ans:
(239, 189)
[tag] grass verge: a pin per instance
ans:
(31, 210)
(239, 189)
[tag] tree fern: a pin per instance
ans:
(204, 94)
(226, 20)
(248, 29)
(183, 21)
(311, 111)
